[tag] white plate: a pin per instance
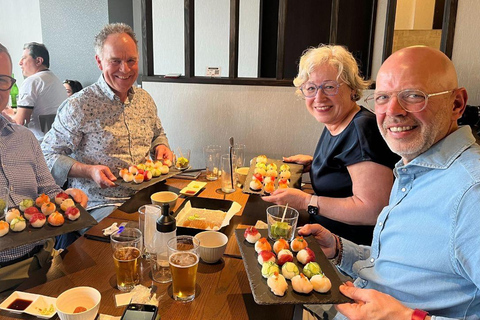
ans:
(42, 303)
(18, 295)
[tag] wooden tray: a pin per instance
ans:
(261, 291)
(296, 171)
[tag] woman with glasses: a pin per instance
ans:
(351, 169)
(72, 86)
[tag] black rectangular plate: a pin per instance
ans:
(139, 186)
(203, 203)
(31, 235)
(262, 293)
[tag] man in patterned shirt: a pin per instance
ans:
(24, 171)
(109, 125)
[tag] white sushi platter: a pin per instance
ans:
(296, 171)
(40, 306)
(258, 284)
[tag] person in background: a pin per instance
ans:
(41, 92)
(351, 169)
(72, 86)
(26, 174)
(423, 261)
(108, 125)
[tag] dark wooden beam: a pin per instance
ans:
(227, 81)
(234, 31)
(373, 19)
(334, 21)
(189, 38)
(448, 27)
(389, 29)
(282, 24)
(147, 37)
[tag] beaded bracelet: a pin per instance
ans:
(339, 251)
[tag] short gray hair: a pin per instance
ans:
(38, 50)
(4, 49)
(112, 28)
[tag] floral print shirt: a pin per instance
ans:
(95, 127)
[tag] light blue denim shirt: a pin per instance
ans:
(426, 244)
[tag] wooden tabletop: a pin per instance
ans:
(222, 290)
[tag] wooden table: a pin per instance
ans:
(222, 290)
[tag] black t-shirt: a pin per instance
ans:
(360, 141)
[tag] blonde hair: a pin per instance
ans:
(336, 56)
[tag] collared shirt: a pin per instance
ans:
(43, 92)
(94, 127)
(425, 249)
(24, 171)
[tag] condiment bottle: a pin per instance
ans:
(166, 229)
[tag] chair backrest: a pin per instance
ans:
(46, 121)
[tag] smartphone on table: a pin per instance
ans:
(136, 311)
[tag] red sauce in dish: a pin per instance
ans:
(19, 304)
(79, 309)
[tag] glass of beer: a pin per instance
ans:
(183, 259)
(127, 248)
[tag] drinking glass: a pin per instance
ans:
(127, 247)
(282, 222)
(228, 186)
(147, 223)
(182, 159)
(212, 161)
(183, 258)
(238, 152)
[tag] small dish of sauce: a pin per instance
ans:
(19, 304)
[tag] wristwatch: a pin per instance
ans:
(313, 206)
(419, 314)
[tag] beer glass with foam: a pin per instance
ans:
(127, 248)
(183, 259)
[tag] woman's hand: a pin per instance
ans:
(371, 305)
(302, 159)
(294, 197)
(326, 239)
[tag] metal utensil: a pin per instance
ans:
(231, 160)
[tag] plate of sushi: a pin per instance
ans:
(42, 218)
(282, 272)
(265, 175)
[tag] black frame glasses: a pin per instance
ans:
(6, 82)
(411, 100)
(329, 88)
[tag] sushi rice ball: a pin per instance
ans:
(26, 203)
(38, 220)
(56, 219)
(48, 208)
(67, 203)
(298, 244)
(262, 244)
(279, 245)
(252, 235)
(265, 256)
(321, 283)
(60, 197)
(29, 212)
(272, 166)
(4, 227)
(72, 213)
(311, 269)
(290, 270)
(284, 256)
(284, 167)
(277, 284)
(269, 269)
(18, 224)
(261, 159)
(301, 284)
(305, 256)
(285, 175)
(41, 200)
(12, 214)
(255, 185)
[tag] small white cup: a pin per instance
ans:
(212, 245)
(86, 297)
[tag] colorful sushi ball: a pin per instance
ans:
(139, 178)
(67, 203)
(12, 214)
(285, 175)
(56, 219)
(311, 269)
(252, 235)
(262, 244)
(298, 244)
(41, 200)
(255, 185)
(301, 284)
(290, 270)
(4, 227)
(321, 283)
(261, 159)
(284, 167)
(269, 187)
(167, 162)
(133, 170)
(283, 183)
(128, 177)
(279, 245)
(272, 166)
(122, 172)
(38, 220)
(261, 171)
(29, 212)
(277, 284)
(165, 168)
(284, 256)
(272, 173)
(305, 256)
(60, 197)
(26, 203)
(48, 208)
(72, 213)
(18, 224)
(265, 256)
(269, 268)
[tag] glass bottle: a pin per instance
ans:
(14, 94)
(166, 229)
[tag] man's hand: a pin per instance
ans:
(102, 176)
(162, 152)
(371, 305)
(326, 239)
(294, 197)
(302, 159)
(78, 195)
